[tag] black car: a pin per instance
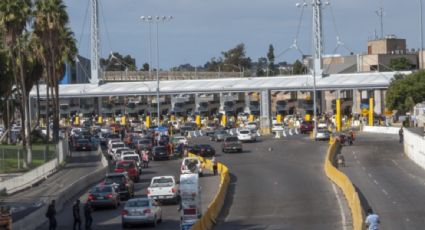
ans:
(83, 145)
(159, 153)
(203, 150)
(122, 183)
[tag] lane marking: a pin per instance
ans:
(341, 209)
(370, 175)
(395, 162)
(385, 192)
(407, 219)
(394, 202)
(376, 182)
(355, 156)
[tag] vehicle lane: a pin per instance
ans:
(389, 182)
(111, 218)
(280, 184)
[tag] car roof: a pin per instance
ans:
(159, 177)
(116, 174)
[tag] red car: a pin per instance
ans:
(128, 166)
(306, 127)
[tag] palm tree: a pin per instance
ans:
(14, 16)
(50, 26)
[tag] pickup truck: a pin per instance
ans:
(163, 189)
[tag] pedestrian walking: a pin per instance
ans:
(400, 134)
(145, 158)
(87, 215)
(214, 165)
(372, 220)
(51, 215)
(76, 214)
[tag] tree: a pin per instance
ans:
(400, 64)
(261, 66)
(118, 62)
(271, 69)
(14, 16)
(405, 91)
(298, 68)
(235, 59)
(145, 67)
(214, 65)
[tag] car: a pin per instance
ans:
(163, 189)
(130, 167)
(176, 140)
(203, 150)
(83, 145)
(113, 148)
(104, 196)
(231, 143)
(164, 140)
(322, 125)
(159, 153)
(134, 157)
(141, 211)
(322, 134)
(247, 135)
(185, 129)
(251, 125)
(306, 126)
(121, 182)
(191, 165)
(278, 127)
(116, 152)
(127, 152)
(143, 144)
(219, 135)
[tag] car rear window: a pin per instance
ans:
(114, 179)
(137, 203)
(125, 165)
(232, 139)
(134, 158)
(190, 161)
(160, 182)
(244, 132)
(114, 146)
(83, 141)
(101, 189)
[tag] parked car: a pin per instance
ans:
(219, 135)
(247, 135)
(231, 143)
(203, 150)
(159, 153)
(141, 211)
(83, 145)
(104, 196)
(163, 189)
(128, 166)
(122, 183)
(306, 126)
(323, 134)
(191, 165)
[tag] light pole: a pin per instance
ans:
(422, 38)
(157, 20)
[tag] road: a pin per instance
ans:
(111, 219)
(80, 164)
(389, 182)
(284, 188)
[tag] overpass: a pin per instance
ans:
(358, 85)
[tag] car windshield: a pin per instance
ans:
(114, 146)
(244, 132)
(114, 179)
(137, 203)
(144, 141)
(162, 182)
(111, 136)
(134, 158)
(83, 141)
(191, 161)
(222, 132)
(232, 139)
(125, 165)
(101, 189)
(203, 146)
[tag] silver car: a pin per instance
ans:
(219, 135)
(322, 134)
(141, 211)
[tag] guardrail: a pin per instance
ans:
(414, 147)
(208, 219)
(346, 186)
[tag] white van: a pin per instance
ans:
(190, 197)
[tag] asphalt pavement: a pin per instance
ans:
(24, 202)
(280, 184)
(111, 218)
(387, 180)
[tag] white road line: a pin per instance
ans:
(341, 209)
(376, 182)
(385, 192)
(395, 162)
(364, 169)
(355, 156)
(370, 175)
(354, 153)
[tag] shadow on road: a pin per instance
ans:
(229, 198)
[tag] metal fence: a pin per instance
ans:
(165, 75)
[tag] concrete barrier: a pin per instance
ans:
(414, 147)
(380, 129)
(37, 218)
(346, 186)
(209, 218)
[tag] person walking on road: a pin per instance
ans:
(76, 214)
(87, 215)
(214, 165)
(51, 215)
(145, 158)
(372, 220)
(400, 134)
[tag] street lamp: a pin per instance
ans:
(422, 37)
(157, 20)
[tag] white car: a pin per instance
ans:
(126, 152)
(134, 157)
(278, 127)
(163, 188)
(246, 135)
(113, 148)
(180, 140)
(251, 125)
(191, 165)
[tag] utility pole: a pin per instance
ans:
(380, 13)
(95, 64)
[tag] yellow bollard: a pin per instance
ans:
(251, 118)
(279, 118)
(307, 117)
(370, 111)
(77, 120)
(123, 120)
(338, 115)
(100, 119)
(223, 120)
(173, 118)
(198, 120)
(148, 121)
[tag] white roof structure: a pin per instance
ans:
(373, 80)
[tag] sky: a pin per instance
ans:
(202, 29)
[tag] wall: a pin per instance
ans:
(381, 129)
(414, 147)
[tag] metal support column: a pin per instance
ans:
(265, 112)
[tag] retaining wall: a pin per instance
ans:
(414, 147)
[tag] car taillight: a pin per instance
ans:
(124, 212)
(109, 196)
(147, 211)
(91, 197)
